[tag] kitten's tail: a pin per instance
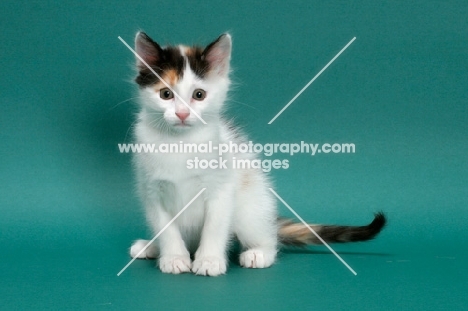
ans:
(297, 234)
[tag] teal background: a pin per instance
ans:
(399, 93)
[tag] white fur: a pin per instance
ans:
(236, 202)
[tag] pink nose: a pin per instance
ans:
(182, 115)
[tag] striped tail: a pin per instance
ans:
(297, 234)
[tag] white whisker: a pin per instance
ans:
(124, 101)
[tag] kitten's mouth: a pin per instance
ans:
(182, 125)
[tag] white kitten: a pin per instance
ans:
(236, 202)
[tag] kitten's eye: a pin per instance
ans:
(166, 94)
(199, 94)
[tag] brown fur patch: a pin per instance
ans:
(171, 77)
(189, 50)
(245, 181)
(196, 59)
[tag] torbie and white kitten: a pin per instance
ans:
(237, 203)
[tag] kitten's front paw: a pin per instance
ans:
(209, 266)
(257, 258)
(149, 253)
(175, 264)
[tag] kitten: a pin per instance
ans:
(237, 202)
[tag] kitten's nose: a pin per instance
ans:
(182, 115)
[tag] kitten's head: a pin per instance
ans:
(195, 82)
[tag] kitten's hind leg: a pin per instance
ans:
(257, 258)
(150, 252)
(259, 248)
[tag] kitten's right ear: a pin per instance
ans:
(147, 49)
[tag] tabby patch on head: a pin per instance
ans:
(169, 62)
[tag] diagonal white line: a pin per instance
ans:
(160, 232)
(310, 82)
(313, 231)
(159, 77)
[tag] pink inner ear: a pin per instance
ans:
(219, 56)
(146, 51)
(219, 60)
(216, 56)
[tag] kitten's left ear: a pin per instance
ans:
(218, 54)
